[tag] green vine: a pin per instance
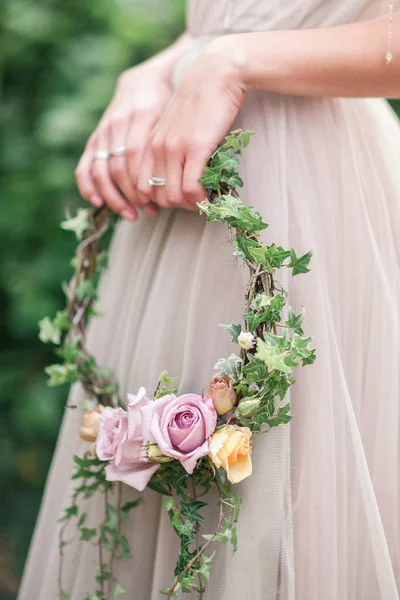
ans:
(271, 341)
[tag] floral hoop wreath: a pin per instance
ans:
(181, 446)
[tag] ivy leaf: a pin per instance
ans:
(258, 255)
(84, 289)
(295, 321)
(60, 374)
(308, 360)
(253, 319)
(82, 519)
(167, 591)
(48, 332)
(233, 330)
(277, 255)
(112, 518)
(232, 211)
(238, 139)
(118, 590)
(225, 161)
(254, 369)
(69, 512)
(78, 224)
(205, 566)
(211, 178)
(64, 595)
(228, 366)
(300, 346)
(87, 534)
(191, 510)
(165, 385)
(158, 487)
(272, 356)
(282, 417)
(128, 506)
(233, 180)
(299, 264)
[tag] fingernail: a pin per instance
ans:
(96, 200)
(128, 215)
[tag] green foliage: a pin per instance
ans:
(59, 64)
(228, 367)
(165, 385)
(78, 224)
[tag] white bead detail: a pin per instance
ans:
(389, 55)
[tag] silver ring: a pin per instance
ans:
(120, 151)
(101, 155)
(156, 181)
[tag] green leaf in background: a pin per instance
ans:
(118, 590)
(77, 224)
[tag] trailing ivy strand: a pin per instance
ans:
(191, 448)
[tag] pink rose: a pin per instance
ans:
(120, 441)
(180, 426)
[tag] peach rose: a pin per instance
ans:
(230, 448)
(90, 424)
(222, 393)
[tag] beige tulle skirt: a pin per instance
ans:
(320, 515)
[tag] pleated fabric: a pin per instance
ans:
(320, 513)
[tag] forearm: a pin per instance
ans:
(163, 63)
(347, 60)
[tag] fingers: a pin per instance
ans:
(104, 184)
(137, 162)
(181, 167)
(194, 191)
(159, 170)
(117, 164)
(83, 176)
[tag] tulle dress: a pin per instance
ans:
(320, 516)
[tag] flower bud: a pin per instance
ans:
(247, 407)
(246, 340)
(90, 424)
(154, 453)
(222, 394)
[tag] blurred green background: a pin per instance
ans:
(59, 63)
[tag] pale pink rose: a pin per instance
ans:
(120, 441)
(180, 426)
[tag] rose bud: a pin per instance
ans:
(154, 453)
(90, 424)
(222, 393)
(246, 340)
(247, 407)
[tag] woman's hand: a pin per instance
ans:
(199, 115)
(141, 96)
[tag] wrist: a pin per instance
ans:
(253, 58)
(161, 65)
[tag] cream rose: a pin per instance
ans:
(90, 424)
(222, 394)
(230, 448)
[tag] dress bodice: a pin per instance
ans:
(207, 17)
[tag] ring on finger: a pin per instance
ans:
(120, 151)
(156, 181)
(101, 155)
